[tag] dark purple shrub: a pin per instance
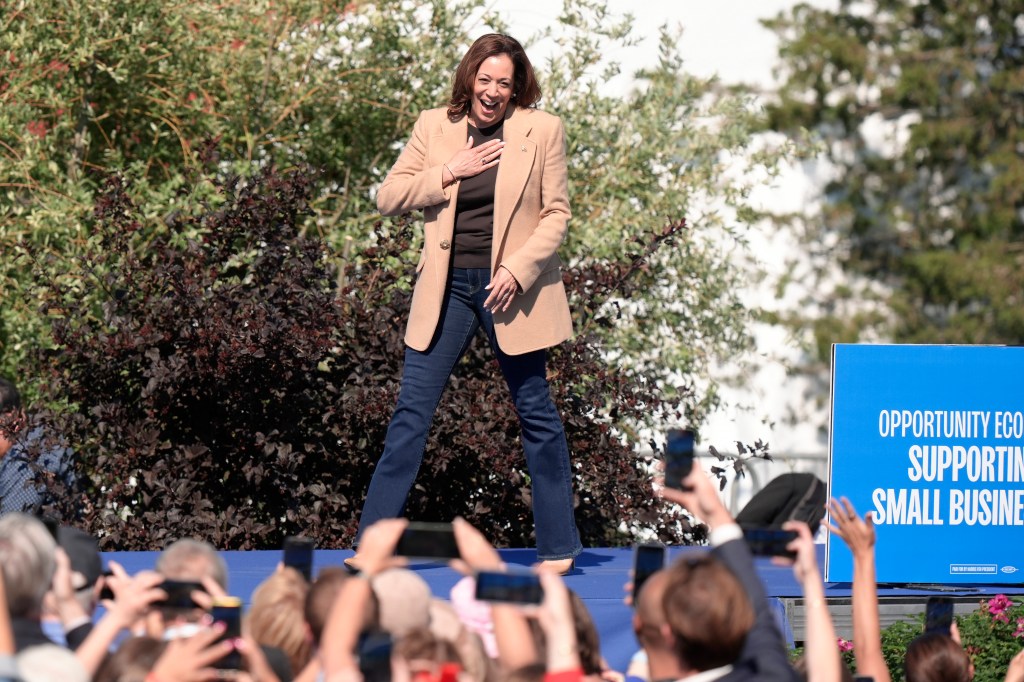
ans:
(215, 382)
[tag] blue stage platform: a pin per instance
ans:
(600, 577)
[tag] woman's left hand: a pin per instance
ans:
(503, 288)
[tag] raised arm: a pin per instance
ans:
(133, 596)
(859, 536)
(511, 630)
(821, 653)
(341, 632)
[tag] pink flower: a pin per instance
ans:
(997, 606)
(37, 128)
(844, 645)
(1019, 632)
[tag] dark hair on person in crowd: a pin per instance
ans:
(707, 611)
(532, 672)
(935, 657)
(525, 91)
(421, 644)
(588, 641)
(321, 597)
(10, 399)
(132, 660)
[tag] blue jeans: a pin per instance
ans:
(424, 378)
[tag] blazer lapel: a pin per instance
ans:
(513, 170)
(447, 139)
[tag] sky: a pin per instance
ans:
(721, 37)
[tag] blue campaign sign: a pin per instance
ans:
(930, 439)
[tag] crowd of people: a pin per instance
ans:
(703, 617)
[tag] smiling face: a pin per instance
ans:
(492, 90)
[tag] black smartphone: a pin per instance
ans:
(648, 559)
(769, 541)
(228, 610)
(298, 554)
(428, 541)
(179, 594)
(513, 588)
(678, 457)
(105, 591)
(863, 678)
(938, 615)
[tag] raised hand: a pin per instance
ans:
(857, 533)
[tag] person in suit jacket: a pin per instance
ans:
(489, 173)
(716, 617)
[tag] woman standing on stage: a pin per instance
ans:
(489, 174)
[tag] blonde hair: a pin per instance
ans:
(26, 561)
(276, 617)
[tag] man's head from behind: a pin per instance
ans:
(707, 611)
(26, 559)
(189, 559)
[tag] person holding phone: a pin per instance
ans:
(489, 173)
(715, 604)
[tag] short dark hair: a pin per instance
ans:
(320, 599)
(10, 399)
(708, 612)
(935, 657)
(525, 90)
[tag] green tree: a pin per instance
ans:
(89, 88)
(919, 105)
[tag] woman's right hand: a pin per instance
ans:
(470, 160)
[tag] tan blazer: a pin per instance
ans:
(531, 215)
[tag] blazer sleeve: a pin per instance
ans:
(411, 183)
(533, 258)
(764, 651)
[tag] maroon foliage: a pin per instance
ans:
(218, 385)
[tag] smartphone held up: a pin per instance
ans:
(509, 587)
(297, 553)
(428, 541)
(769, 541)
(938, 615)
(678, 457)
(648, 559)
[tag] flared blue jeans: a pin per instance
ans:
(424, 378)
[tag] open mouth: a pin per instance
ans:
(488, 106)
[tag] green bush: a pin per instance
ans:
(992, 634)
